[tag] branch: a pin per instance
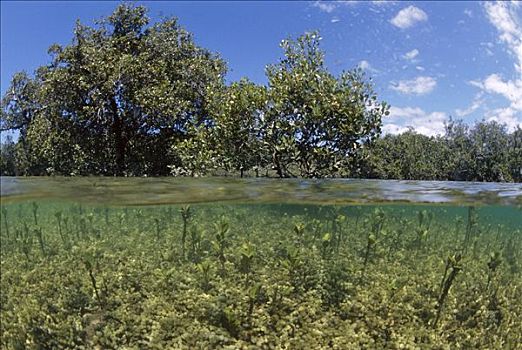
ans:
(19, 126)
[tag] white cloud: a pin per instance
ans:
(330, 6)
(325, 6)
(335, 20)
(510, 89)
(420, 68)
(468, 13)
(476, 104)
(383, 2)
(508, 116)
(348, 2)
(506, 19)
(408, 17)
(419, 86)
(410, 55)
(400, 119)
(365, 65)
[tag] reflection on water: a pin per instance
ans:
(151, 191)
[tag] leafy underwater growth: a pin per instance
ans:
(278, 276)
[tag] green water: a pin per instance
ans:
(127, 264)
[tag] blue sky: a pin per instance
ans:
(429, 60)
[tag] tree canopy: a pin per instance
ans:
(484, 152)
(128, 97)
(114, 100)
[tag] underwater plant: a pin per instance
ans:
(186, 215)
(158, 228)
(205, 269)
(493, 264)
(299, 230)
(340, 220)
(470, 227)
(39, 235)
(88, 266)
(266, 283)
(453, 263)
(195, 244)
(6, 225)
(247, 254)
(370, 244)
(326, 245)
(26, 242)
(58, 216)
(35, 212)
(424, 222)
(221, 243)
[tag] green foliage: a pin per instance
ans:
(408, 156)
(115, 100)
(127, 97)
(315, 121)
(8, 157)
(231, 140)
(485, 152)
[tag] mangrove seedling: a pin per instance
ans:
(88, 266)
(422, 230)
(493, 264)
(221, 243)
(253, 295)
(453, 263)
(340, 233)
(470, 227)
(158, 228)
(291, 260)
(510, 254)
(422, 235)
(205, 270)
(26, 242)
(299, 229)
(247, 252)
(425, 218)
(106, 215)
(369, 247)
(380, 215)
(458, 224)
(186, 214)
(82, 232)
(58, 216)
(4, 213)
(39, 235)
(90, 217)
(195, 243)
(35, 213)
(326, 245)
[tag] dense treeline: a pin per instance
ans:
(130, 98)
(484, 152)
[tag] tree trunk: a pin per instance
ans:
(119, 140)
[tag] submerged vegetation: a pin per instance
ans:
(260, 276)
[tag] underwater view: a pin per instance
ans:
(259, 264)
